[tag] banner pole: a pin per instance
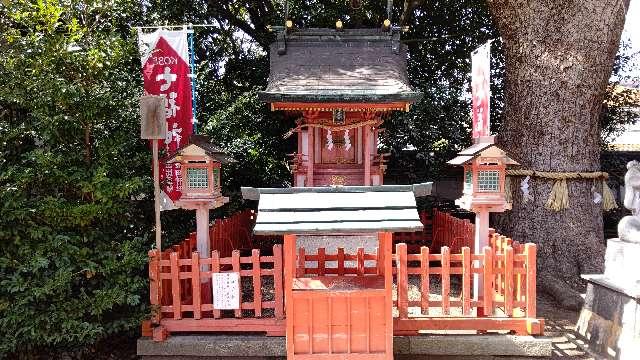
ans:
(156, 190)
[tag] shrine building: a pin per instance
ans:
(340, 84)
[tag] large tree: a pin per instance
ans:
(559, 57)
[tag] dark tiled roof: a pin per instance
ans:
(210, 148)
(324, 65)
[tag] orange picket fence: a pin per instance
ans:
(508, 288)
(451, 232)
(182, 296)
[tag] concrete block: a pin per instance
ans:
(481, 345)
(214, 345)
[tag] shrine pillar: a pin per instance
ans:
(202, 234)
(310, 157)
(367, 155)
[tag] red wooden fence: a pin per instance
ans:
(182, 299)
(440, 229)
(452, 232)
(509, 290)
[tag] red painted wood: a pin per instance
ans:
(278, 281)
(424, 280)
(215, 268)
(466, 281)
(195, 284)
(235, 262)
(402, 280)
(175, 286)
(530, 252)
(257, 282)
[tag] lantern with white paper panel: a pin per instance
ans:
(484, 176)
(200, 164)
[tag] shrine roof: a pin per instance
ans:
(209, 148)
(330, 210)
(325, 65)
(478, 149)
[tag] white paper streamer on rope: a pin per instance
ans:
(597, 198)
(524, 186)
(329, 140)
(347, 140)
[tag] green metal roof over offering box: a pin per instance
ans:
(330, 210)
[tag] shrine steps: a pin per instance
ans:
(254, 347)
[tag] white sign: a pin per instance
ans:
(226, 291)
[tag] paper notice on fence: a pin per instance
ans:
(226, 291)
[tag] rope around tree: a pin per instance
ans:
(559, 195)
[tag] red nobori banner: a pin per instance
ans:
(165, 69)
(480, 91)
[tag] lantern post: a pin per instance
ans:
(483, 190)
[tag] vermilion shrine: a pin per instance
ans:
(340, 86)
(337, 254)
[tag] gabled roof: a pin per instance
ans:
(210, 149)
(325, 65)
(478, 149)
(330, 210)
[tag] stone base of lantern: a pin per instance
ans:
(610, 318)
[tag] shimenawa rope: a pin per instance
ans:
(559, 195)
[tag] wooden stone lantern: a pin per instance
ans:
(485, 168)
(200, 165)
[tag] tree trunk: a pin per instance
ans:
(559, 57)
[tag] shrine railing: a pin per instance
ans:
(440, 229)
(508, 289)
(450, 231)
(182, 299)
(433, 291)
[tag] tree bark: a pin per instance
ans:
(559, 57)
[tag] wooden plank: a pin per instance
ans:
(257, 282)
(225, 325)
(277, 281)
(175, 286)
(402, 280)
(360, 261)
(445, 279)
(155, 285)
(386, 240)
(302, 261)
(340, 261)
(289, 271)
(530, 252)
(215, 268)
(466, 280)
(321, 261)
(424, 280)
(519, 325)
(235, 263)
(508, 281)
(195, 285)
(487, 281)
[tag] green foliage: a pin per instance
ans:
(75, 189)
(73, 241)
